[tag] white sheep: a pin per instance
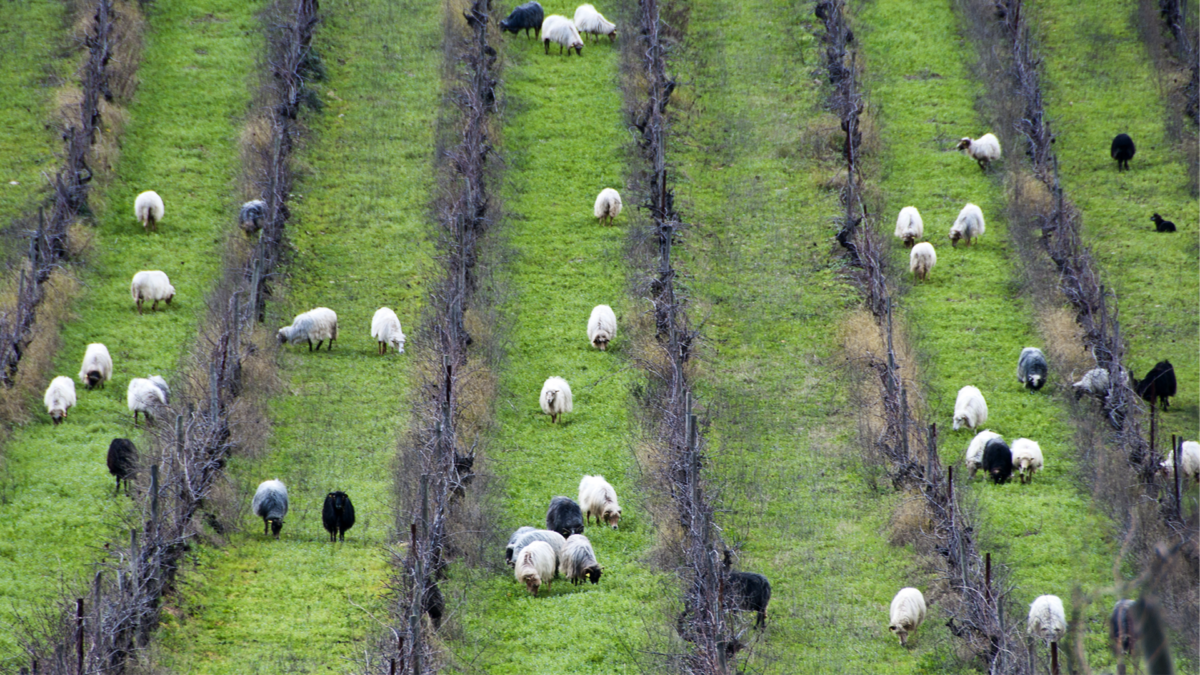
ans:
(909, 226)
(969, 408)
(985, 149)
(922, 259)
(908, 612)
(968, 226)
(556, 398)
(318, 324)
(535, 566)
(608, 206)
(1047, 619)
(97, 366)
(578, 561)
(251, 216)
(588, 20)
(559, 29)
(148, 207)
(527, 535)
(602, 327)
(597, 498)
(151, 285)
(385, 328)
(1095, 382)
(1026, 458)
(974, 458)
(1189, 461)
(145, 395)
(59, 398)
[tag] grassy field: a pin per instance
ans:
(56, 503)
(288, 605)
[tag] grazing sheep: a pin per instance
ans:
(985, 149)
(1161, 225)
(1026, 459)
(524, 17)
(151, 285)
(122, 462)
(578, 561)
(1158, 385)
(1032, 368)
(148, 207)
(998, 460)
(1123, 628)
(560, 30)
(59, 398)
(968, 226)
(1123, 150)
(908, 612)
(271, 504)
(602, 327)
(145, 395)
(1095, 383)
(588, 20)
(922, 259)
(751, 593)
(608, 206)
(556, 398)
(909, 226)
(599, 499)
(318, 324)
(974, 458)
(337, 515)
(385, 328)
(97, 366)
(1189, 461)
(1047, 620)
(969, 408)
(535, 565)
(564, 517)
(524, 535)
(252, 215)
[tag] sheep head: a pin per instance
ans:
(612, 516)
(593, 573)
(532, 582)
(959, 420)
(276, 526)
(965, 143)
(901, 632)
(955, 235)
(93, 378)
(57, 415)
(1035, 382)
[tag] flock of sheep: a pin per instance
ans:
(557, 28)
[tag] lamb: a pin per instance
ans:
(909, 226)
(151, 285)
(922, 259)
(1047, 620)
(1032, 368)
(524, 535)
(578, 561)
(751, 593)
(145, 395)
(1026, 459)
(556, 398)
(1123, 628)
(974, 458)
(271, 504)
(59, 398)
(1159, 384)
(1189, 461)
(385, 328)
(608, 205)
(252, 215)
(969, 408)
(997, 460)
(1161, 225)
(560, 30)
(588, 20)
(908, 612)
(969, 225)
(602, 327)
(122, 462)
(318, 324)
(535, 565)
(524, 17)
(148, 207)
(599, 499)
(1122, 150)
(337, 515)
(564, 517)
(985, 149)
(97, 366)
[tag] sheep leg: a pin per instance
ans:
(154, 306)
(310, 345)
(319, 343)
(139, 305)
(330, 345)
(547, 43)
(266, 527)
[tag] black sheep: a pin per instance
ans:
(564, 517)
(525, 17)
(337, 515)
(751, 593)
(1161, 225)
(1123, 150)
(1158, 385)
(1122, 628)
(997, 461)
(122, 462)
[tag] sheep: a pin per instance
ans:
(337, 515)
(1159, 384)
(907, 614)
(1032, 368)
(588, 20)
(751, 592)
(59, 398)
(1026, 459)
(555, 398)
(151, 285)
(1189, 461)
(148, 208)
(1122, 150)
(146, 394)
(969, 408)
(909, 226)
(251, 216)
(97, 366)
(1047, 620)
(122, 462)
(318, 324)
(974, 458)
(578, 561)
(1123, 629)
(599, 499)
(535, 565)
(1095, 382)
(564, 517)
(608, 206)
(998, 460)
(601, 327)
(385, 328)
(560, 30)
(524, 17)
(922, 259)
(524, 535)
(985, 149)
(968, 226)
(271, 504)
(1161, 225)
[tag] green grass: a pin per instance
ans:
(57, 505)
(360, 214)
